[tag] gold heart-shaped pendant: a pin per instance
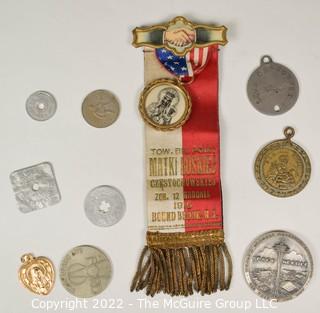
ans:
(37, 274)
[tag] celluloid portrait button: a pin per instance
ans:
(165, 104)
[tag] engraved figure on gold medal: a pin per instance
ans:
(37, 274)
(280, 174)
(282, 168)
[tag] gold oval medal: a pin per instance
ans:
(282, 168)
(165, 104)
(37, 274)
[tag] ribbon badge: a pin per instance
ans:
(185, 250)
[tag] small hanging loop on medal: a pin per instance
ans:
(289, 132)
(266, 59)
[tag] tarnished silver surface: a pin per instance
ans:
(85, 271)
(100, 108)
(35, 187)
(272, 88)
(41, 105)
(278, 266)
(105, 206)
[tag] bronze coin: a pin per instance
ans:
(100, 108)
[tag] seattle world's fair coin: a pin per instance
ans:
(278, 266)
(272, 88)
(165, 104)
(105, 206)
(282, 168)
(41, 105)
(85, 271)
(100, 108)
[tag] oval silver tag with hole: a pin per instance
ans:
(41, 105)
(272, 88)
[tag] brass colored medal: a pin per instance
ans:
(282, 168)
(37, 274)
(165, 104)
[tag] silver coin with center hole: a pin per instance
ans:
(41, 105)
(272, 88)
(104, 206)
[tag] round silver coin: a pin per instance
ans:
(100, 108)
(278, 266)
(105, 206)
(272, 88)
(85, 271)
(41, 105)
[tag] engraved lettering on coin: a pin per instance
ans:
(85, 271)
(41, 105)
(165, 104)
(105, 206)
(282, 168)
(100, 108)
(35, 187)
(37, 274)
(278, 265)
(272, 88)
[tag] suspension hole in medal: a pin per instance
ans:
(165, 104)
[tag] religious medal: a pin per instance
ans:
(37, 274)
(185, 251)
(278, 266)
(282, 168)
(100, 108)
(105, 206)
(41, 105)
(165, 104)
(85, 271)
(35, 187)
(272, 88)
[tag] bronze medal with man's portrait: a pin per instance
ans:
(282, 168)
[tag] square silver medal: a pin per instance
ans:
(35, 187)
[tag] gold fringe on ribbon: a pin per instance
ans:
(181, 263)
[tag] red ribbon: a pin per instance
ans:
(200, 137)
